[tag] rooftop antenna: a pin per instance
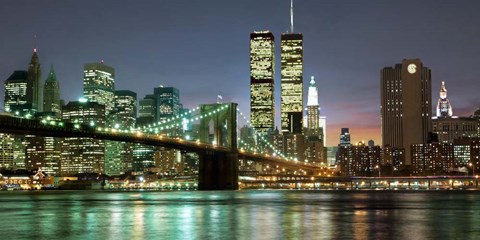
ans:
(34, 42)
(291, 16)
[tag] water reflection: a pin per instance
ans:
(240, 215)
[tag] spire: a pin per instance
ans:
(35, 43)
(443, 91)
(34, 59)
(312, 81)
(51, 75)
(291, 16)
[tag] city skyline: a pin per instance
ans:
(330, 53)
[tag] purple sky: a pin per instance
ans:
(202, 48)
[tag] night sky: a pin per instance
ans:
(202, 48)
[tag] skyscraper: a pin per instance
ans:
(15, 90)
(99, 84)
(34, 83)
(51, 97)
(262, 74)
(444, 109)
(406, 110)
(315, 150)
(292, 80)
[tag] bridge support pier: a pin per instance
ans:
(218, 171)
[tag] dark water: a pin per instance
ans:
(240, 215)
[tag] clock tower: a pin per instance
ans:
(406, 105)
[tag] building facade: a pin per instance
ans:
(448, 129)
(78, 154)
(359, 160)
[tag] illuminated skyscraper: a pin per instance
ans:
(34, 83)
(315, 152)
(15, 90)
(51, 97)
(444, 109)
(99, 84)
(406, 111)
(292, 81)
(262, 74)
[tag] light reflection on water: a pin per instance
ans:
(240, 215)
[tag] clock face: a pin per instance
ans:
(412, 68)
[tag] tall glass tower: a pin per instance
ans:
(262, 74)
(292, 80)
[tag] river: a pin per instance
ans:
(252, 214)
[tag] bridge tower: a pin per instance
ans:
(218, 170)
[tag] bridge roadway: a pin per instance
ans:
(24, 126)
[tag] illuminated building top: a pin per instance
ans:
(312, 93)
(444, 109)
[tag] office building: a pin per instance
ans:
(99, 84)
(262, 75)
(406, 110)
(79, 154)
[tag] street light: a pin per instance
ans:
(378, 167)
(473, 168)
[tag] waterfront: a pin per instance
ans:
(240, 215)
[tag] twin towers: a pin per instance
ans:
(262, 74)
